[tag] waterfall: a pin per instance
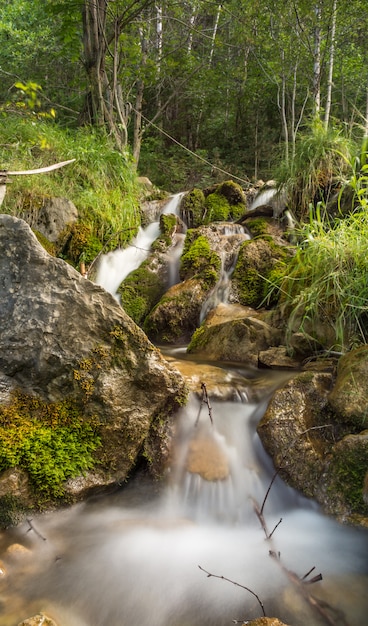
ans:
(134, 557)
(220, 292)
(115, 266)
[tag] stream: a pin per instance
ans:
(190, 551)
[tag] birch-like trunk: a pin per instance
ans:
(210, 57)
(331, 65)
(317, 62)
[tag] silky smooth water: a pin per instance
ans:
(134, 557)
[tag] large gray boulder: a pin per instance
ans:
(69, 352)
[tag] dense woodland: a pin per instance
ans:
(233, 82)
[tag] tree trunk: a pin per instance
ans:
(331, 65)
(317, 62)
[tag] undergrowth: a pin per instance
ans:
(101, 182)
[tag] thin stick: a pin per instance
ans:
(209, 575)
(31, 527)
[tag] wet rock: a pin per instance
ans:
(65, 340)
(296, 407)
(278, 358)
(313, 450)
(239, 340)
(349, 395)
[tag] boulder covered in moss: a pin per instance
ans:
(259, 263)
(83, 394)
(313, 450)
(176, 316)
(222, 202)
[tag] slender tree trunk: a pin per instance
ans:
(138, 129)
(212, 49)
(331, 65)
(317, 62)
(366, 114)
(283, 109)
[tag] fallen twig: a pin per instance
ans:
(31, 527)
(205, 400)
(209, 575)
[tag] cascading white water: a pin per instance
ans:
(115, 266)
(134, 558)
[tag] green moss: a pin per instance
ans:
(198, 340)
(193, 207)
(198, 260)
(77, 243)
(232, 192)
(348, 469)
(140, 292)
(217, 208)
(50, 441)
(258, 226)
(168, 224)
(45, 243)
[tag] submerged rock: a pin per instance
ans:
(76, 370)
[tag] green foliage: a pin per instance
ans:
(315, 172)
(101, 182)
(51, 441)
(326, 280)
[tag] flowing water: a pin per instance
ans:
(142, 555)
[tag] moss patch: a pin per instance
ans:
(140, 292)
(347, 471)
(199, 261)
(50, 441)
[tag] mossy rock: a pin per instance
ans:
(77, 243)
(168, 225)
(199, 261)
(217, 208)
(140, 292)
(176, 316)
(45, 243)
(192, 208)
(261, 263)
(347, 471)
(349, 398)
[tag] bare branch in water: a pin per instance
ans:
(205, 400)
(209, 575)
(31, 527)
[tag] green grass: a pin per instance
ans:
(326, 281)
(101, 182)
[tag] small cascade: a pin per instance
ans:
(115, 266)
(220, 293)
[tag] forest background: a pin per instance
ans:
(232, 82)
